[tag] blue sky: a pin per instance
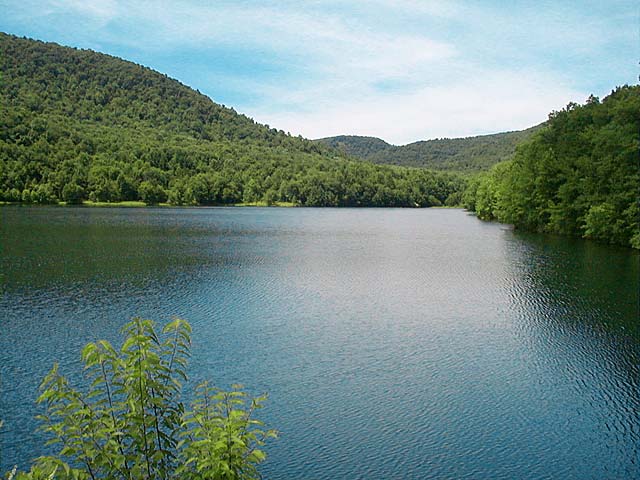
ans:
(402, 70)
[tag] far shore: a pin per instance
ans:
(140, 204)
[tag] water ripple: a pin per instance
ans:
(410, 344)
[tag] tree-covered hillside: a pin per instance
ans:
(580, 175)
(77, 125)
(468, 155)
(356, 146)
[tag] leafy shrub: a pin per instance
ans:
(130, 422)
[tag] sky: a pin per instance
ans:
(401, 70)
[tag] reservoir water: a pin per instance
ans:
(393, 343)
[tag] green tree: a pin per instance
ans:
(43, 193)
(151, 193)
(73, 193)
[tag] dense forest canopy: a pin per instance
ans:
(356, 145)
(579, 175)
(465, 155)
(78, 125)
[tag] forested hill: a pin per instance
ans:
(356, 146)
(78, 125)
(46, 78)
(578, 176)
(471, 154)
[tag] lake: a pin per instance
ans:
(394, 343)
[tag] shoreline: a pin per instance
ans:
(141, 204)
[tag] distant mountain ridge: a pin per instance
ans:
(470, 154)
(356, 145)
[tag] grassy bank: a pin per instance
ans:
(138, 204)
(142, 204)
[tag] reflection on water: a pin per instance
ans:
(583, 326)
(393, 343)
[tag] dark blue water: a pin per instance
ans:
(393, 343)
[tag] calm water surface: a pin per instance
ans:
(393, 343)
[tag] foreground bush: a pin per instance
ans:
(130, 423)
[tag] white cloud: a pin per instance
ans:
(488, 103)
(403, 70)
(435, 8)
(326, 43)
(100, 10)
